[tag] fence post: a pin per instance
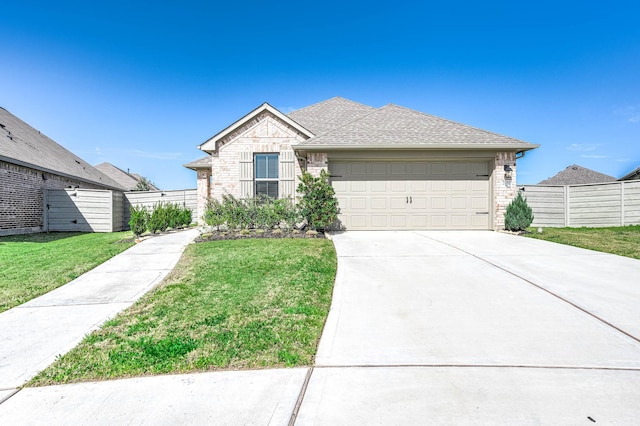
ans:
(567, 215)
(622, 223)
(45, 210)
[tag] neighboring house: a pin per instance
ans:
(391, 167)
(125, 179)
(577, 175)
(632, 175)
(30, 162)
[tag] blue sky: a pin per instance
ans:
(141, 84)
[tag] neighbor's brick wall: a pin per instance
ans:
(21, 192)
(504, 190)
(263, 134)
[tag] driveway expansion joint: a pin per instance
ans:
(584, 310)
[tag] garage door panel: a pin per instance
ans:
(413, 195)
(379, 186)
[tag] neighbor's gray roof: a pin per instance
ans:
(200, 163)
(393, 126)
(23, 145)
(632, 175)
(327, 115)
(577, 175)
(126, 180)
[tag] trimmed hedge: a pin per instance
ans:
(162, 217)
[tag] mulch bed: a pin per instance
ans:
(257, 233)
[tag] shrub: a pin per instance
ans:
(519, 215)
(168, 215)
(138, 220)
(318, 205)
(252, 213)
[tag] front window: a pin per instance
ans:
(266, 175)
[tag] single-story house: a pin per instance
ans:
(126, 179)
(577, 175)
(391, 167)
(30, 162)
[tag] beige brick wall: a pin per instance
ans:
(264, 134)
(317, 161)
(21, 192)
(203, 193)
(504, 189)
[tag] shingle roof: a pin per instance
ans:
(577, 175)
(330, 114)
(200, 163)
(126, 180)
(393, 126)
(23, 145)
(632, 175)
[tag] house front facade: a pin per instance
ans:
(392, 168)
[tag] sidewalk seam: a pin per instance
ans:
(303, 391)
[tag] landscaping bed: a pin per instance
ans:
(258, 233)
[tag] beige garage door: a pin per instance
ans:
(412, 195)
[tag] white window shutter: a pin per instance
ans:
(246, 174)
(287, 174)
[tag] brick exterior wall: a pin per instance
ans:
(264, 134)
(504, 190)
(317, 161)
(203, 193)
(21, 192)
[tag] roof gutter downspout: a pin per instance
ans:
(521, 156)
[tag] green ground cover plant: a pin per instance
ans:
(622, 240)
(256, 303)
(34, 264)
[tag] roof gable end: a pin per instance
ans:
(212, 144)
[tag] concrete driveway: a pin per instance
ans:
(477, 327)
(425, 328)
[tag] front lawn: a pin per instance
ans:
(34, 264)
(256, 303)
(623, 240)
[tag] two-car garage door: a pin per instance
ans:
(412, 195)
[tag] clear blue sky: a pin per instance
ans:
(141, 85)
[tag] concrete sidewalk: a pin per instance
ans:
(34, 333)
(424, 328)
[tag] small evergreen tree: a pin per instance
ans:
(143, 184)
(319, 205)
(519, 215)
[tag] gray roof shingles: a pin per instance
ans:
(126, 180)
(200, 163)
(327, 115)
(23, 145)
(577, 175)
(396, 126)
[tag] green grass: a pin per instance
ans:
(238, 304)
(34, 264)
(623, 241)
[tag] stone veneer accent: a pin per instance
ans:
(21, 192)
(504, 190)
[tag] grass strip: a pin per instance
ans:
(239, 304)
(622, 240)
(34, 264)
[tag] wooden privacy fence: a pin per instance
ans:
(95, 210)
(592, 205)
